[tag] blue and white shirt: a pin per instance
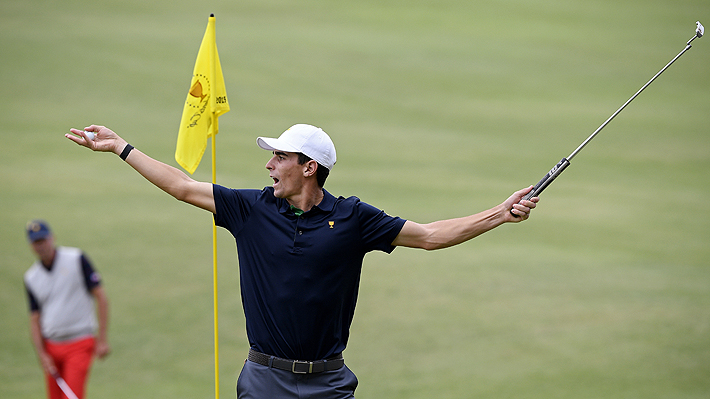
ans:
(62, 295)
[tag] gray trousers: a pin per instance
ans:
(263, 382)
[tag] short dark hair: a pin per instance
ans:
(321, 171)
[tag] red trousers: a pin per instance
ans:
(73, 361)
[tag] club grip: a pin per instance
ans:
(545, 181)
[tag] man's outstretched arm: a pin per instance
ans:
(446, 233)
(169, 179)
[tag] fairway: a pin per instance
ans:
(438, 109)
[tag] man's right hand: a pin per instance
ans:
(47, 364)
(105, 139)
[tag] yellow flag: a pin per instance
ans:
(206, 100)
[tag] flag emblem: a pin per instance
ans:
(196, 89)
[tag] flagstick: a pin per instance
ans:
(214, 261)
(215, 129)
(191, 146)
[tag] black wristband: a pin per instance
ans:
(126, 150)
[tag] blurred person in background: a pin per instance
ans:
(65, 297)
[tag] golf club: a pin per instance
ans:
(564, 163)
(64, 387)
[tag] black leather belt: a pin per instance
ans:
(297, 366)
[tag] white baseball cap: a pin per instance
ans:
(306, 139)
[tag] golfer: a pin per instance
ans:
(300, 253)
(65, 296)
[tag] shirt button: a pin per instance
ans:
(300, 232)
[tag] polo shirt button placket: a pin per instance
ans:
(298, 233)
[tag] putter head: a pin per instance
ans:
(700, 30)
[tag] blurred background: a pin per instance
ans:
(438, 109)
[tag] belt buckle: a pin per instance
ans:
(309, 364)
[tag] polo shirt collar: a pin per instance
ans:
(326, 205)
(328, 202)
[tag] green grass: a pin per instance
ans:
(438, 109)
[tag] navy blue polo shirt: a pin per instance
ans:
(299, 275)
